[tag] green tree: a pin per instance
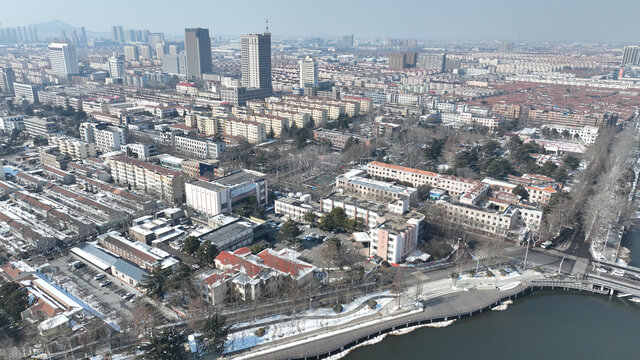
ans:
(333, 220)
(521, 191)
(490, 147)
(433, 149)
(178, 277)
(155, 284)
(250, 207)
(571, 161)
(271, 134)
(548, 168)
(289, 231)
(13, 300)
(169, 344)
(190, 245)
(496, 167)
(309, 217)
(350, 142)
(214, 333)
(40, 141)
(206, 254)
(466, 158)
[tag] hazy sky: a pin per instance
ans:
(540, 20)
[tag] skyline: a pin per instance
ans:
(544, 21)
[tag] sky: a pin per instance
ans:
(614, 21)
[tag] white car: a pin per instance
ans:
(546, 244)
(617, 272)
(601, 270)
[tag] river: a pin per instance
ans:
(542, 325)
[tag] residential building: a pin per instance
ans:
(74, 148)
(143, 255)
(174, 64)
(295, 208)
(7, 78)
(145, 52)
(199, 147)
(308, 72)
(197, 44)
(338, 139)
(25, 92)
(254, 132)
(355, 183)
(10, 123)
(131, 53)
(106, 137)
(221, 195)
(150, 178)
(116, 67)
(631, 56)
(432, 61)
(273, 123)
(36, 126)
(63, 58)
(347, 41)
(256, 60)
(140, 151)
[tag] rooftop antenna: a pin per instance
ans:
(266, 31)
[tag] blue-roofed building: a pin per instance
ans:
(128, 273)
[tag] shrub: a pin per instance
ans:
(372, 304)
(260, 332)
(337, 308)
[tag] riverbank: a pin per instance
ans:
(546, 324)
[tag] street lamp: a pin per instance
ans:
(526, 253)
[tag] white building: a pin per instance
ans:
(10, 123)
(585, 134)
(256, 60)
(131, 53)
(107, 138)
(219, 196)
(64, 61)
(116, 66)
(308, 72)
(25, 92)
(200, 148)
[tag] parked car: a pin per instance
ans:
(105, 283)
(601, 270)
(546, 244)
(127, 296)
(99, 277)
(133, 299)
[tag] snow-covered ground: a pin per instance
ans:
(325, 318)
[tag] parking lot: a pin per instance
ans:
(108, 300)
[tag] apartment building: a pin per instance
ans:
(585, 134)
(254, 132)
(366, 104)
(271, 122)
(106, 137)
(36, 126)
(298, 118)
(354, 182)
(141, 151)
(484, 220)
(150, 178)
(10, 123)
(295, 208)
(454, 185)
(199, 147)
(338, 139)
(221, 195)
(563, 118)
(74, 148)
(26, 92)
(143, 255)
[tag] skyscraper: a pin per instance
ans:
(197, 45)
(432, 61)
(145, 52)
(156, 38)
(631, 56)
(64, 61)
(308, 72)
(347, 41)
(256, 60)
(131, 53)
(7, 78)
(117, 34)
(116, 66)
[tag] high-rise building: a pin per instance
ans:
(117, 34)
(83, 35)
(197, 45)
(7, 78)
(308, 72)
(159, 51)
(131, 53)
(145, 52)
(155, 39)
(174, 64)
(347, 41)
(116, 66)
(256, 60)
(173, 49)
(631, 56)
(505, 46)
(432, 61)
(64, 61)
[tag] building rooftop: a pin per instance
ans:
(239, 177)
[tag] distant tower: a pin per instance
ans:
(308, 72)
(116, 66)
(197, 45)
(64, 61)
(631, 56)
(256, 59)
(7, 78)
